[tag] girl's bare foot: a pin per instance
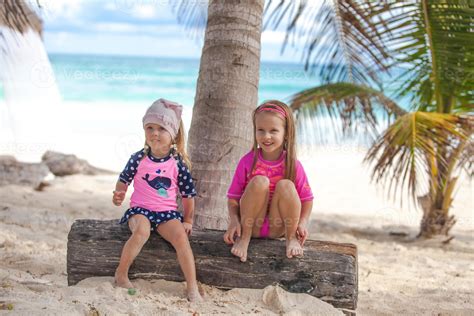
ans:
(193, 294)
(240, 249)
(293, 248)
(122, 280)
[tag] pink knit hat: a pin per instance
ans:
(165, 113)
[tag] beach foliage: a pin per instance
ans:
(373, 56)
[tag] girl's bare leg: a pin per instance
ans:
(253, 206)
(284, 216)
(140, 227)
(173, 231)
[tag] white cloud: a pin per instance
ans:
(153, 30)
(145, 11)
(116, 27)
(64, 9)
(121, 44)
(273, 37)
(168, 43)
(141, 9)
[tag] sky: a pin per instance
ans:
(134, 27)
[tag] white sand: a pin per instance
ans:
(397, 275)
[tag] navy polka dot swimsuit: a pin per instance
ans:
(157, 182)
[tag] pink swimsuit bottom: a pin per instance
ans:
(265, 229)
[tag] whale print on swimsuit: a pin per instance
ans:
(160, 184)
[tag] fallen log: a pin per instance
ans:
(327, 271)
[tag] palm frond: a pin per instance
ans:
(400, 154)
(354, 106)
(341, 37)
(465, 151)
(193, 15)
(436, 40)
(18, 15)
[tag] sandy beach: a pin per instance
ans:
(76, 77)
(397, 274)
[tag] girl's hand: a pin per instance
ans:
(188, 228)
(234, 229)
(118, 197)
(302, 232)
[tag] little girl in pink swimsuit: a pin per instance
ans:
(269, 196)
(159, 173)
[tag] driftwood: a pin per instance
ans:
(64, 165)
(14, 172)
(328, 270)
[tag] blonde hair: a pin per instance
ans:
(180, 142)
(289, 143)
(179, 150)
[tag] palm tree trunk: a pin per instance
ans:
(435, 221)
(435, 205)
(226, 93)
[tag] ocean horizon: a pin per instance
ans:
(103, 99)
(93, 78)
(97, 78)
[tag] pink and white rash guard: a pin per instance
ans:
(157, 181)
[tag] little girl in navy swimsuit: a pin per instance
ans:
(159, 172)
(269, 196)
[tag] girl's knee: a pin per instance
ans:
(260, 183)
(286, 187)
(141, 233)
(179, 239)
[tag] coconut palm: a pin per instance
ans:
(19, 16)
(356, 46)
(226, 93)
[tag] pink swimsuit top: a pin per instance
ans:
(273, 170)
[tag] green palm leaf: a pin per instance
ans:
(465, 148)
(354, 106)
(410, 148)
(341, 37)
(435, 39)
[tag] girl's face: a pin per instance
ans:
(158, 138)
(270, 134)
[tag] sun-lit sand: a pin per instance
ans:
(397, 274)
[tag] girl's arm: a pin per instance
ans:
(234, 210)
(188, 205)
(306, 208)
(119, 193)
(302, 230)
(126, 177)
(235, 227)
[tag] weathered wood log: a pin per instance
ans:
(328, 270)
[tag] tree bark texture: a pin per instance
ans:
(328, 270)
(435, 221)
(226, 94)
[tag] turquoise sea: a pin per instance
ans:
(99, 84)
(88, 78)
(94, 78)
